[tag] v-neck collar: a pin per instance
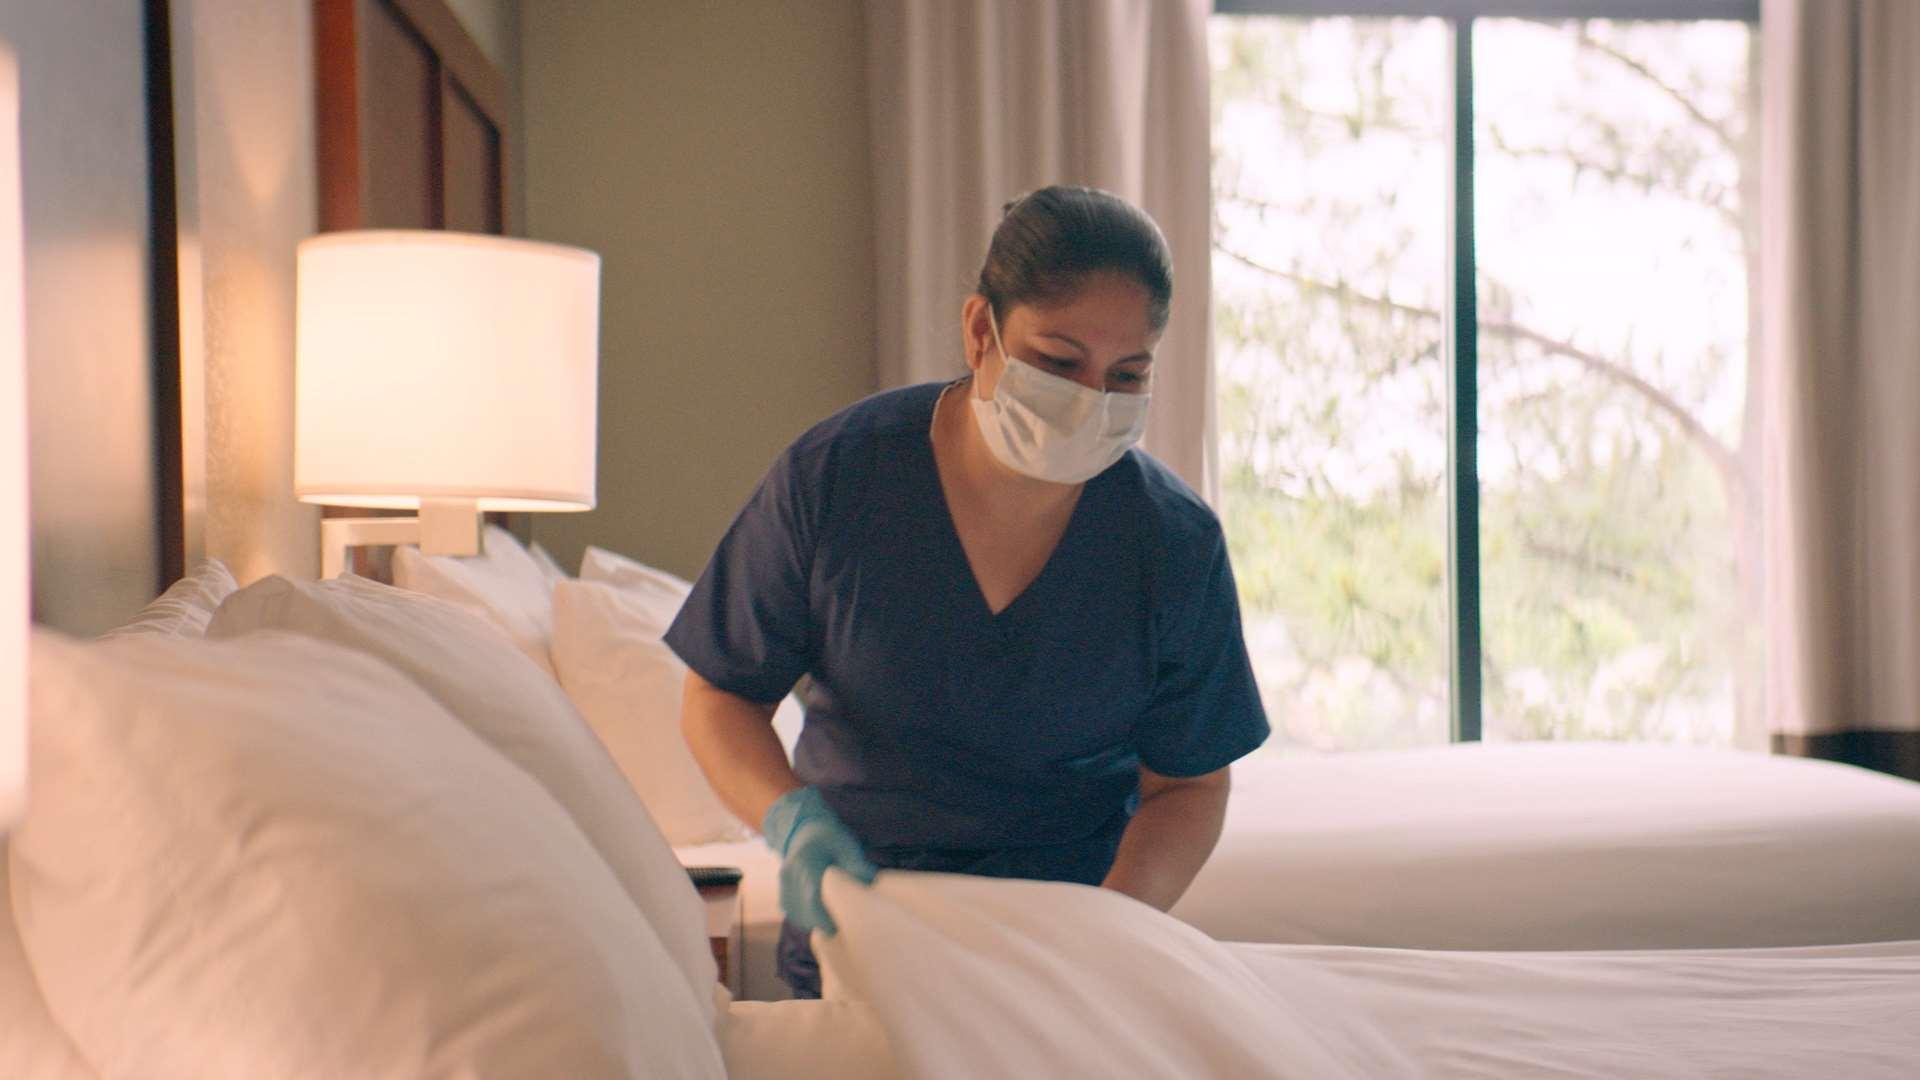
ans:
(951, 529)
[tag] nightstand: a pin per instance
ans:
(719, 888)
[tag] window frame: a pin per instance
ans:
(1464, 642)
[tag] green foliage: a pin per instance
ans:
(1612, 517)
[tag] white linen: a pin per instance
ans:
(1561, 846)
(32, 1045)
(660, 594)
(503, 585)
(478, 676)
(610, 660)
(805, 1040)
(977, 976)
(279, 857)
(186, 607)
(980, 977)
(760, 916)
(660, 591)
(1829, 1011)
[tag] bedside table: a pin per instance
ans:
(719, 889)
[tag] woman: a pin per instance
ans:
(1022, 633)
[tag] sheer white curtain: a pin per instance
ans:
(1840, 289)
(976, 101)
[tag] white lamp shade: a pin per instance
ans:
(445, 366)
(15, 602)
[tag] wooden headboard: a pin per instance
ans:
(415, 123)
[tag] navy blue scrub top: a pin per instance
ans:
(945, 736)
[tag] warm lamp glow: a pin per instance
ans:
(15, 607)
(446, 366)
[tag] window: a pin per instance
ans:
(1490, 473)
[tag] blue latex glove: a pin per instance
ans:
(810, 837)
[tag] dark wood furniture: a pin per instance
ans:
(415, 124)
(724, 932)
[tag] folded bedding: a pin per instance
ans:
(980, 977)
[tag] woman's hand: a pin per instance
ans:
(1170, 836)
(810, 837)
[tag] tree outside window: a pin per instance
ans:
(1618, 451)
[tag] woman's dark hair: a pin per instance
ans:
(1049, 240)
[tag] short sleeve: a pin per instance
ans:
(1205, 711)
(746, 626)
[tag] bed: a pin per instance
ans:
(440, 832)
(989, 978)
(931, 976)
(1562, 846)
(1547, 846)
(1517, 846)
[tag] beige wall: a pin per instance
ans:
(84, 201)
(253, 138)
(716, 155)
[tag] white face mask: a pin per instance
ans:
(1051, 428)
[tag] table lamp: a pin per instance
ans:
(442, 372)
(15, 595)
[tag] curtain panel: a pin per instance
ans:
(1840, 295)
(977, 101)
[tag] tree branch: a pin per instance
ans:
(1620, 175)
(1723, 459)
(1540, 549)
(1339, 291)
(1678, 96)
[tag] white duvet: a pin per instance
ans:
(1561, 846)
(975, 977)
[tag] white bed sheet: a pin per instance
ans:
(1832, 1011)
(1561, 846)
(760, 910)
(972, 977)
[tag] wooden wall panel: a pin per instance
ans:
(470, 151)
(399, 96)
(413, 120)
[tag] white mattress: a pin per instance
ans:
(760, 910)
(1562, 846)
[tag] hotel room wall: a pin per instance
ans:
(252, 97)
(716, 155)
(89, 369)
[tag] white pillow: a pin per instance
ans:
(659, 595)
(32, 1046)
(610, 659)
(978, 976)
(185, 608)
(549, 566)
(277, 857)
(663, 593)
(503, 585)
(480, 678)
